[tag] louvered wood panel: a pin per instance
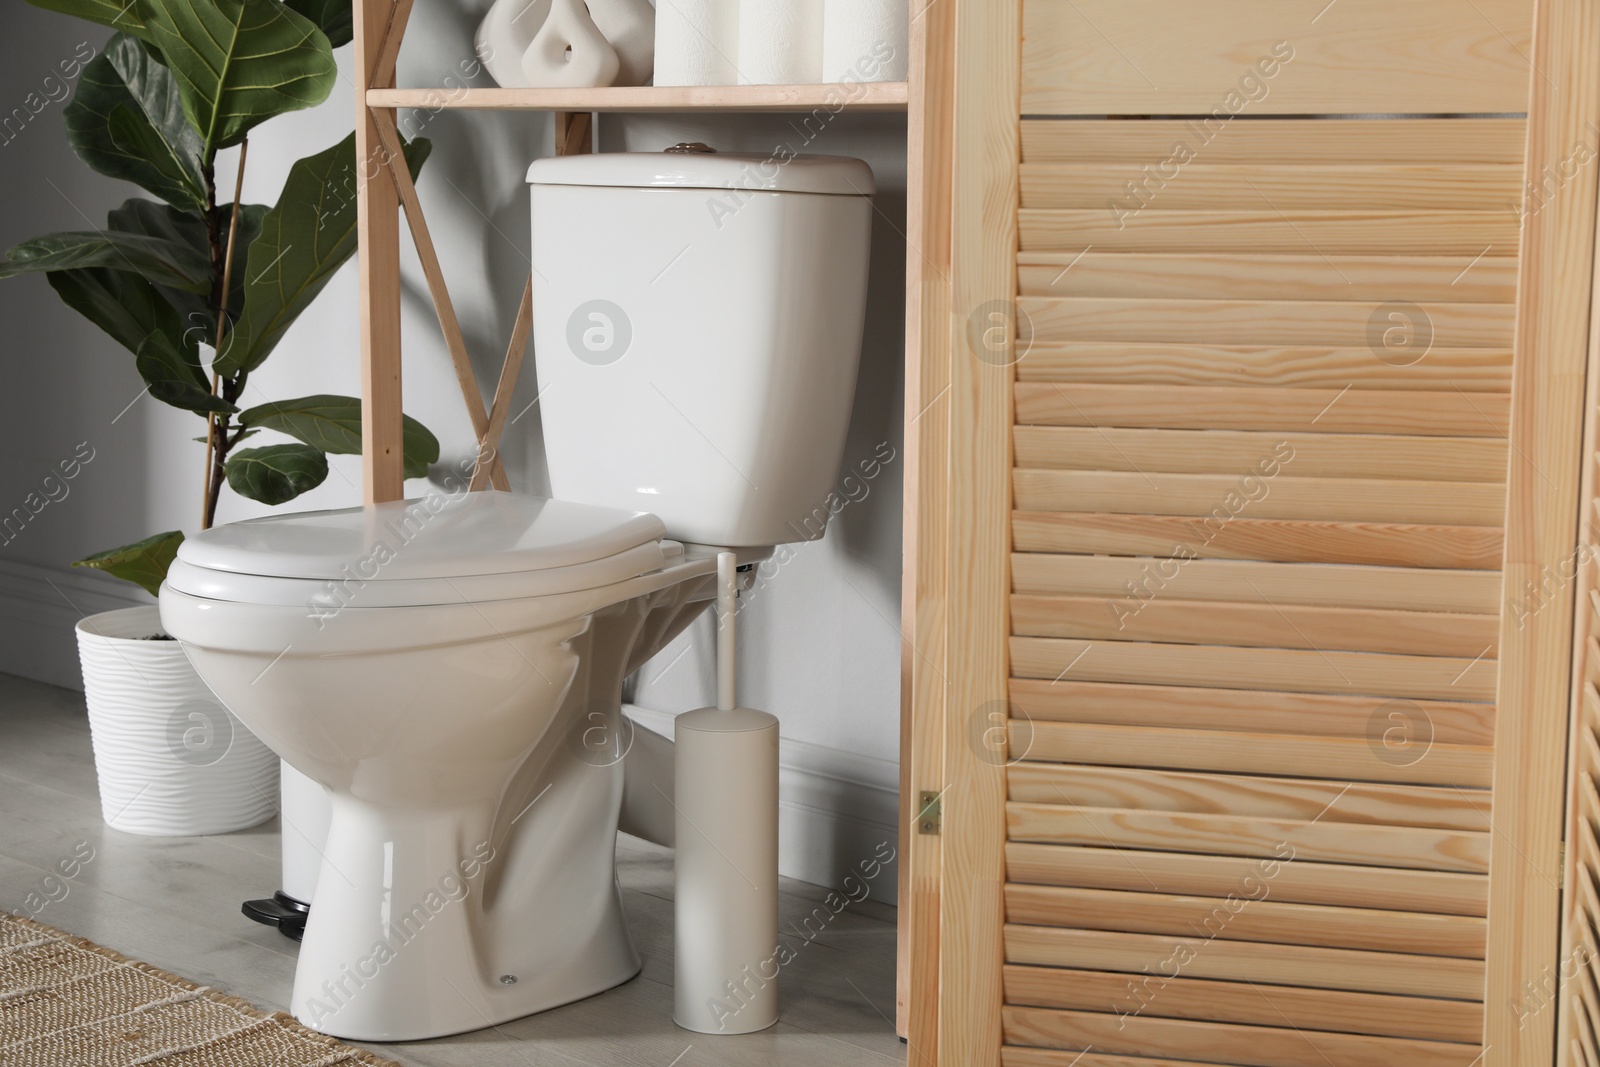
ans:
(1288, 669)
(1285, 497)
(1283, 142)
(1228, 57)
(1104, 867)
(1451, 722)
(1318, 841)
(1253, 276)
(1251, 795)
(1343, 410)
(1266, 625)
(1261, 228)
(1016, 1056)
(1239, 752)
(1346, 586)
(1210, 186)
(1247, 919)
(1307, 966)
(1467, 370)
(1256, 609)
(1246, 1046)
(1456, 459)
(1425, 1018)
(1276, 540)
(1345, 323)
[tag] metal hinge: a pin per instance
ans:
(928, 815)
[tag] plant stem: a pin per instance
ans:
(213, 243)
(217, 443)
(231, 388)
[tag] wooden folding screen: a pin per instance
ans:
(1240, 456)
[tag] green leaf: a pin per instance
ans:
(124, 305)
(244, 436)
(157, 259)
(144, 562)
(179, 227)
(175, 376)
(127, 122)
(333, 424)
(239, 62)
(183, 229)
(276, 473)
(305, 238)
(118, 14)
(333, 18)
(129, 307)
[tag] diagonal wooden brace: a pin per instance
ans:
(394, 159)
(574, 133)
(489, 443)
(389, 49)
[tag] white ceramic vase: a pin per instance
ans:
(171, 760)
(505, 34)
(568, 43)
(630, 26)
(569, 51)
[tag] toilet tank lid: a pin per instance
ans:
(838, 175)
(436, 536)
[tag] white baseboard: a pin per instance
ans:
(39, 606)
(836, 809)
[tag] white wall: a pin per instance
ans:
(820, 645)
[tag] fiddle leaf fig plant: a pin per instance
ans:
(199, 291)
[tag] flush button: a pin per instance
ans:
(696, 147)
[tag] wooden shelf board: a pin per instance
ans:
(860, 96)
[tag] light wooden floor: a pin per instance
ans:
(174, 903)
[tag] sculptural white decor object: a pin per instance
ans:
(565, 43)
(569, 51)
(505, 34)
(630, 27)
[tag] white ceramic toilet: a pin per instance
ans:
(449, 668)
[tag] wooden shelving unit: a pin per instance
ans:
(385, 192)
(865, 96)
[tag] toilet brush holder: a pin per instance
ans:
(726, 957)
(725, 765)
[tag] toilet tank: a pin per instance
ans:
(697, 327)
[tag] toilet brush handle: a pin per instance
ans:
(727, 608)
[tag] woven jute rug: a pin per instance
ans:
(66, 1002)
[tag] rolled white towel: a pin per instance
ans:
(780, 42)
(697, 42)
(865, 40)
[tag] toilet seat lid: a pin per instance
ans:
(435, 536)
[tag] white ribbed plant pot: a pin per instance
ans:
(171, 760)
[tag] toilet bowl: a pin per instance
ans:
(460, 702)
(449, 668)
